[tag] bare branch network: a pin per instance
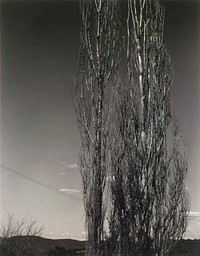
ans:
(16, 237)
(132, 168)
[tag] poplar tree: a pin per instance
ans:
(97, 62)
(149, 201)
(130, 151)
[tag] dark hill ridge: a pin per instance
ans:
(44, 245)
(75, 247)
(68, 244)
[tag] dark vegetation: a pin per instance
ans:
(69, 247)
(187, 248)
(48, 247)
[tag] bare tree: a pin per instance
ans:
(98, 60)
(129, 137)
(149, 201)
(16, 237)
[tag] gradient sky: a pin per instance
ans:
(39, 135)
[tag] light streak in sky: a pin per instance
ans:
(76, 198)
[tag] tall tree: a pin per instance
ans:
(129, 137)
(149, 201)
(97, 63)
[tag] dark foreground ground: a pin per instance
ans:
(69, 247)
(187, 248)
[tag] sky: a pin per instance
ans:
(39, 135)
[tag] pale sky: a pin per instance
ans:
(39, 135)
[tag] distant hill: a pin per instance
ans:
(44, 245)
(76, 248)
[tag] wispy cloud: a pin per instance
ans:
(69, 190)
(67, 234)
(191, 213)
(70, 166)
(194, 216)
(193, 229)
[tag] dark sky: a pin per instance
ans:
(39, 136)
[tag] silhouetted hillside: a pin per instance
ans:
(183, 247)
(44, 245)
(74, 247)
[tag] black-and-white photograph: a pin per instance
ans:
(100, 128)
